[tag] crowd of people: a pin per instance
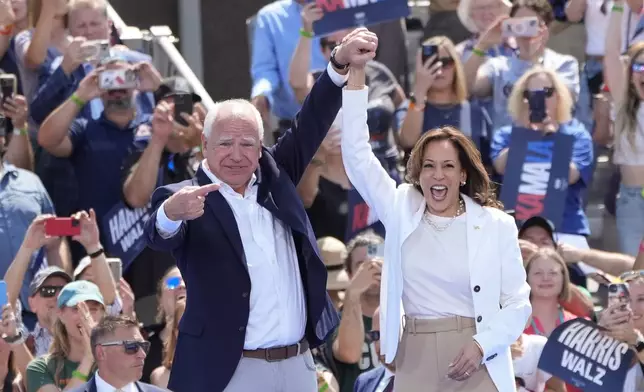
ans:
(368, 203)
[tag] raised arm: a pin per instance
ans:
(294, 151)
(299, 76)
(264, 69)
(364, 170)
(614, 70)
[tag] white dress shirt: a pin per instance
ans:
(103, 386)
(277, 304)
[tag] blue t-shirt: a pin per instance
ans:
(99, 149)
(478, 130)
(574, 219)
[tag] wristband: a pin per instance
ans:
(77, 100)
(19, 132)
(617, 8)
(80, 376)
(306, 34)
(96, 254)
(478, 52)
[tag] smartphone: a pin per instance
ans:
(62, 227)
(376, 251)
(117, 79)
(427, 52)
(537, 106)
(8, 86)
(96, 49)
(3, 293)
(116, 268)
(182, 104)
(173, 282)
(618, 294)
(520, 27)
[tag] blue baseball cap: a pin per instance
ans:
(79, 291)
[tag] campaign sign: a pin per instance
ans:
(536, 174)
(343, 14)
(580, 354)
(361, 217)
(123, 232)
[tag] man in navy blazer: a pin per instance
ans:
(256, 286)
(119, 351)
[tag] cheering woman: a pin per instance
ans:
(451, 256)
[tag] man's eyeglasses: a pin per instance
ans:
(372, 336)
(130, 347)
(49, 291)
(631, 275)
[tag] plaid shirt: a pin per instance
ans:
(42, 339)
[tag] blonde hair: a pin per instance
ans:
(459, 85)
(516, 101)
(91, 4)
(171, 344)
(628, 104)
(464, 12)
(549, 253)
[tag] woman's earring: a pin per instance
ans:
(462, 183)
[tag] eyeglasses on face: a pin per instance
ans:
(49, 291)
(130, 347)
(638, 67)
(549, 91)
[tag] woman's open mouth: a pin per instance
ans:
(439, 192)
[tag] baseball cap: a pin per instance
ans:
(82, 265)
(539, 221)
(175, 85)
(43, 275)
(79, 291)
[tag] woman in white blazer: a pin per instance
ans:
(453, 271)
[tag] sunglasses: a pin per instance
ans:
(130, 347)
(638, 67)
(631, 275)
(372, 336)
(49, 291)
(445, 61)
(549, 91)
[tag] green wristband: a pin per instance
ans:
(306, 34)
(478, 52)
(79, 102)
(617, 8)
(80, 376)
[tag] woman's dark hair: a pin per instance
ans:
(477, 185)
(542, 8)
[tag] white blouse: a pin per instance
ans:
(436, 275)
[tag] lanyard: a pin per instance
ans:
(539, 331)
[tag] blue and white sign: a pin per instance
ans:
(123, 233)
(343, 14)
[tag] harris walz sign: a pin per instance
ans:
(536, 176)
(360, 217)
(343, 14)
(579, 353)
(123, 232)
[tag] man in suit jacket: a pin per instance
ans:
(242, 240)
(119, 351)
(381, 378)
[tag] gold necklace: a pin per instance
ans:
(441, 228)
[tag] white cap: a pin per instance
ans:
(84, 263)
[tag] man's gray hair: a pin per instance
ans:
(239, 108)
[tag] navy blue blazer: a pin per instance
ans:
(369, 380)
(210, 255)
(90, 386)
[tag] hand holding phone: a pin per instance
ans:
(8, 86)
(537, 106)
(182, 104)
(618, 294)
(117, 79)
(62, 227)
(527, 27)
(428, 51)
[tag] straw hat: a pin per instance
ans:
(333, 253)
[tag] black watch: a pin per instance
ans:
(335, 62)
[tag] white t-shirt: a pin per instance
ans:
(634, 379)
(596, 24)
(632, 28)
(525, 367)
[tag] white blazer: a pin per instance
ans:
(498, 279)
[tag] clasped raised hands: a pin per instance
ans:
(188, 203)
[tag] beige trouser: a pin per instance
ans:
(425, 352)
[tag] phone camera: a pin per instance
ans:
(75, 223)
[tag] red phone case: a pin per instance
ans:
(62, 227)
